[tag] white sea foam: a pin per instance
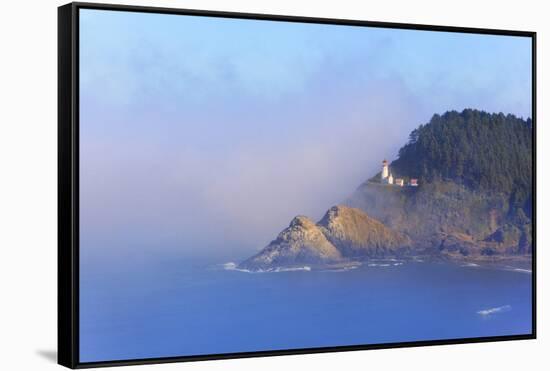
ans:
(472, 265)
(342, 269)
(391, 262)
(290, 269)
(521, 270)
(490, 311)
(234, 267)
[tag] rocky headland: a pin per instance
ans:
(463, 191)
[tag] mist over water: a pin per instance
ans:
(249, 187)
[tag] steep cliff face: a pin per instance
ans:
(449, 219)
(344, 234)
(432, 208)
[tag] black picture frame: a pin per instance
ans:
(68, 181)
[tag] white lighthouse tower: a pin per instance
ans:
(385, 171)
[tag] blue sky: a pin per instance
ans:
(192, 122)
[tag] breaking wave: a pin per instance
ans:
(520, 270)
(281, 269)
(490, 311)
(384, 264)
(342, 269)
(234, 267)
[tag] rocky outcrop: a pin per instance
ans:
(343, 235)
(355, 234)
(303, 242)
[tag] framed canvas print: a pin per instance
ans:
(236, 185)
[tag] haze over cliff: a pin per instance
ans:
(473, 200)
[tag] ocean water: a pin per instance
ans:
(175, 307)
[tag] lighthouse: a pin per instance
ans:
(385, 171)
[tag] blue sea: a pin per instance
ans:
(177, 307)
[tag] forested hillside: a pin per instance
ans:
(483, 151)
